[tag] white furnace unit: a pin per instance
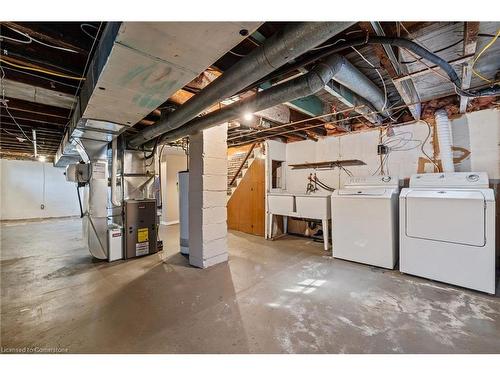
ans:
(365, 221)
(447, 229)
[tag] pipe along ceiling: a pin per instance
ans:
(261, 62)
(291, 42)
(305, 85)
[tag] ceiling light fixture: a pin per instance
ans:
(248, 116)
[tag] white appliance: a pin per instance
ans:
(447, 229)
(183, 186)
(115, 243)
(365, 221)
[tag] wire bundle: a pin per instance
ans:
(314, 181)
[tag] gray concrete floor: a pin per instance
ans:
(285, 296)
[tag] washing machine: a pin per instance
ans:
(447, 229)
(365, 221)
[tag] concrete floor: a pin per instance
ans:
(285, 296)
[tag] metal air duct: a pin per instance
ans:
(305, 85)
(294, 40)
(349, 76)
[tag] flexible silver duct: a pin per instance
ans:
(287, 44)
(349, 76)
(302, 86)
(305, 85)
(351, 99)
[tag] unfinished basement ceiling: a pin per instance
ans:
(42, 81)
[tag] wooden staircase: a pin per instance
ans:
(238, 165)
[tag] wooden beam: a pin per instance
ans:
(419, 73)
(28, 121)
(44, 37)
(40, 80)
(47, 129)
(27, 145)
(37, 63)
(39, 95)
(471, 30)
(42, 109)
(34, 117)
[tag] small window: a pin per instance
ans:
(277, 174)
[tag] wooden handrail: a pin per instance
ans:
(242, 164)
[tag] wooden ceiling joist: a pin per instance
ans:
(389, 61)
(38, 108)
(35, 32)
(471, 30)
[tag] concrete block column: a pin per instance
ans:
(208, 197)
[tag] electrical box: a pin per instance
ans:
(382, 149)
(140, 227)
(79, 173)
(115, 243)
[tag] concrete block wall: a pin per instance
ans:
(208, 166)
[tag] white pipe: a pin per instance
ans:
(114, 169)
(443, 128)
(34, 143)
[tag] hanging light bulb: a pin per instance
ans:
(247, 116)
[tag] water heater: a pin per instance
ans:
(183, 184)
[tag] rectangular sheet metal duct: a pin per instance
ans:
(137, 67)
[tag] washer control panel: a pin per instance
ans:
(451, 180)
(375, 181)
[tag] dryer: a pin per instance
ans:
(365, 221)
(447, 229)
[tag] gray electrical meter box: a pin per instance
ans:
(140, 227)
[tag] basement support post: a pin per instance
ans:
(208, 197)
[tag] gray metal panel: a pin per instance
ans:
(150, 61)
(179, 43)
(140, 227)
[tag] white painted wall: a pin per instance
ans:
(26, 185)
(173, 161)
(478, 132)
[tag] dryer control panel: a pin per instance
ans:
(458, 180)
(372, 181)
